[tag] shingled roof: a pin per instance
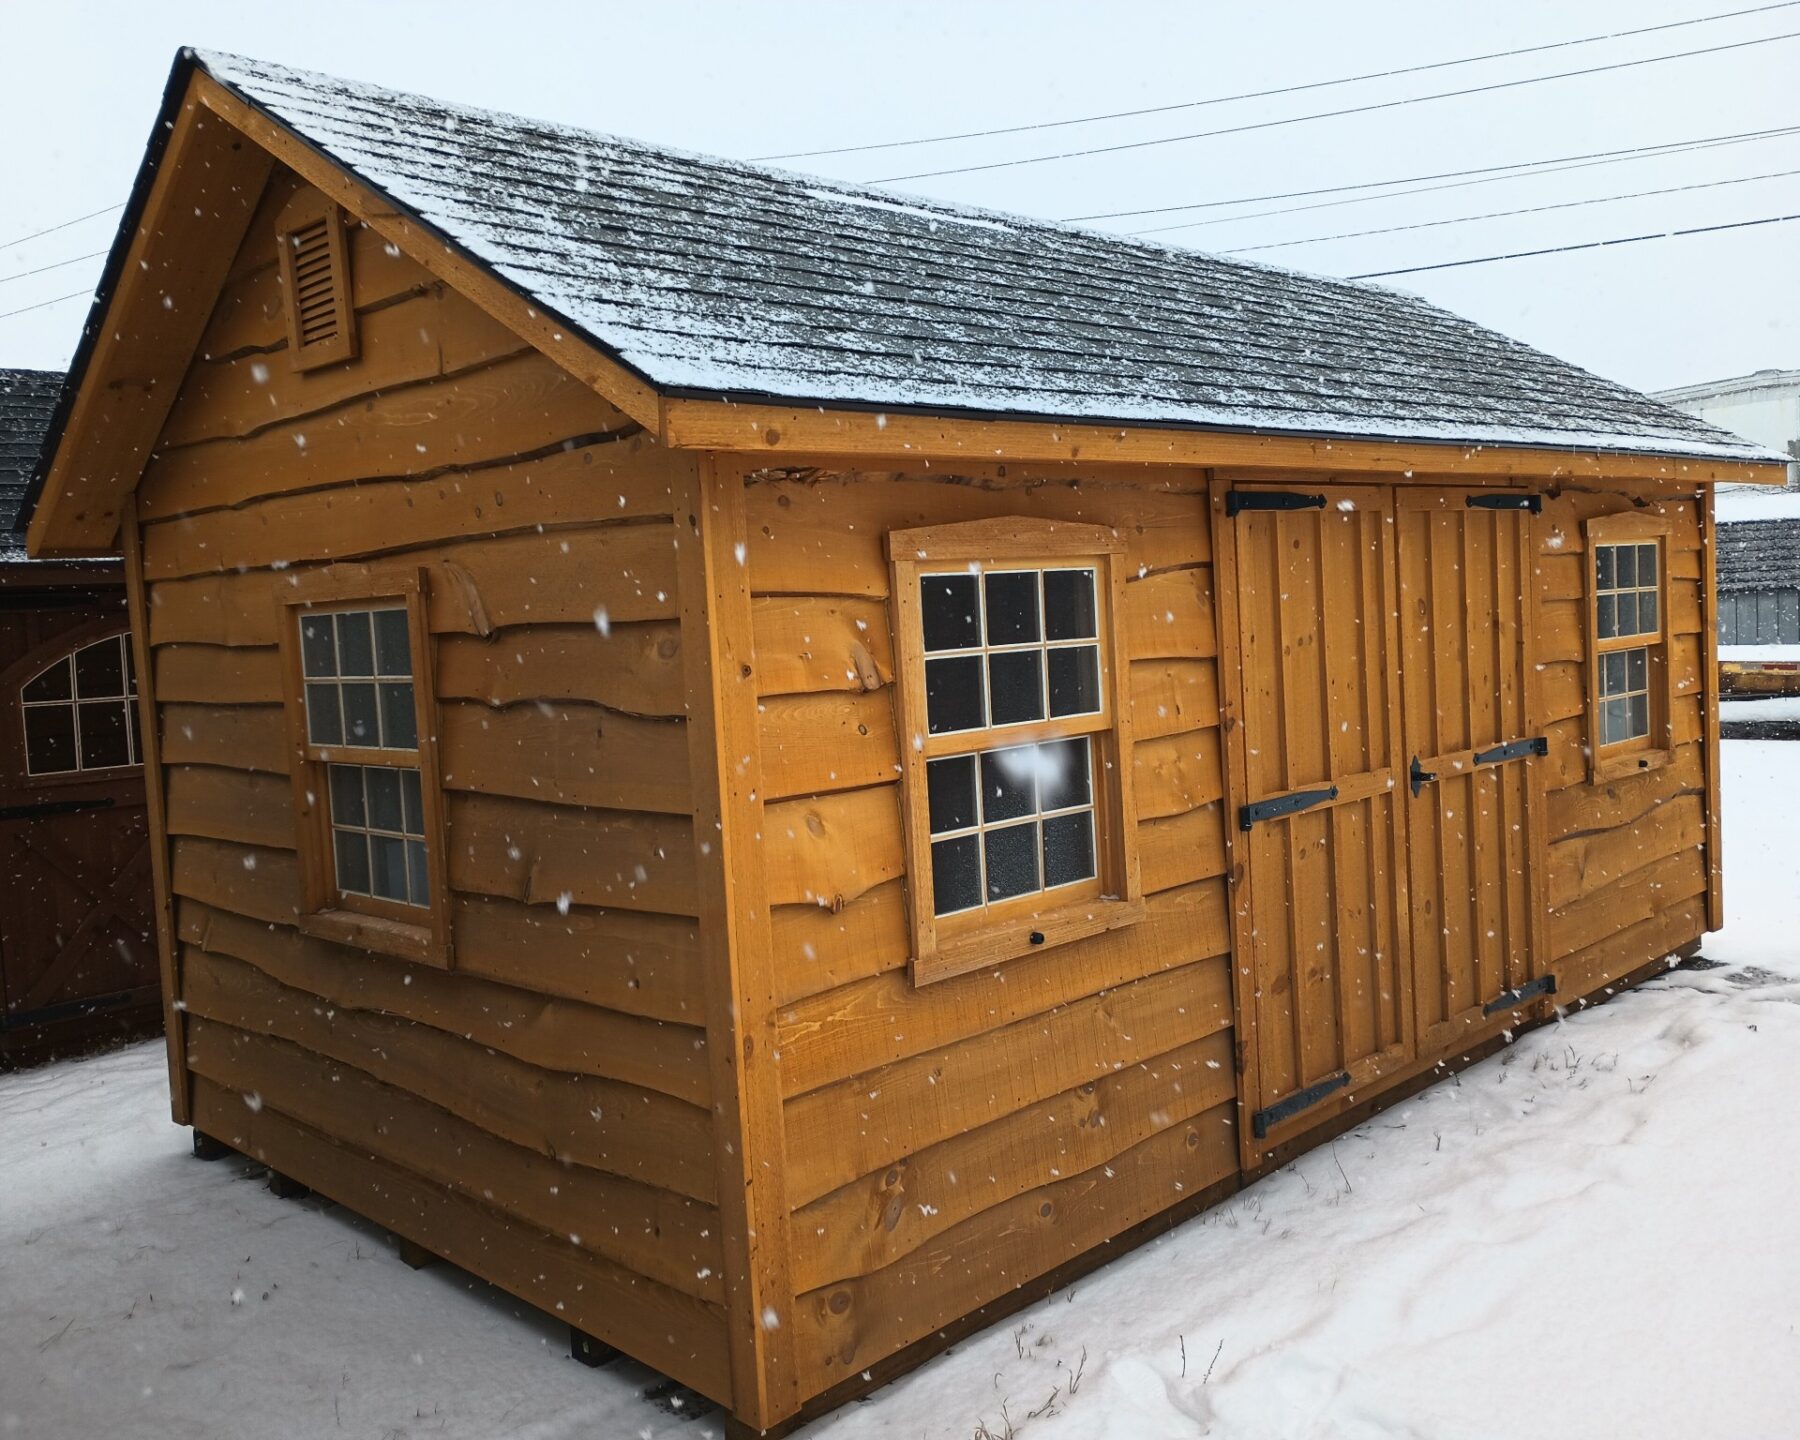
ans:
(719, 279)
(1759, 555)
(27, 398)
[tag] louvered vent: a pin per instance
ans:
(315, 275)
(315, 284)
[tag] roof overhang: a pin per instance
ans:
(203, 173)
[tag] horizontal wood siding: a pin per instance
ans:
(542, 1112)
(949, 1142)
(1627, 868)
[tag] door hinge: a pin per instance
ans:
(1507, 999)
(1514, 750)
(1281, 805)
(1267, 1119)
(1506, 501)
(1420, 777)
(1236, 500)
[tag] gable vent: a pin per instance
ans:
(315, 280)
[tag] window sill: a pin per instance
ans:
(1004, 940)
(379, 934)
(1635, 762)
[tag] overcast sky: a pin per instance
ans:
(83, 81)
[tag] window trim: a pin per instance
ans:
(367, 922)
(75, 642)
(1652, 751)
(950, 945)
(306, 209)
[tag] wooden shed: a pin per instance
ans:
(776, 769)
(77, 949)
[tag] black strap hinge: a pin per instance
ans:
(1281, 805)
(1236, 500)
(1507, 999)
(1266, 1120)
(1514, 750)
(1502, 500)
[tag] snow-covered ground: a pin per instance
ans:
(1589, 1235)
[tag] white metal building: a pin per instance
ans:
(1764, 406)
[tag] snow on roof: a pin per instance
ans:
(1735, 506)
(718, 278)
(27, 398)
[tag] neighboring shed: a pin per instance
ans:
(77, 954)
(1759, 581)
(777, 769)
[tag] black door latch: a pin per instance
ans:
(1420, 777)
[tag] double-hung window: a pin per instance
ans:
(1017, 782)
(1629, 696)
(366, 784)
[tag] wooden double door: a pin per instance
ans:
(1387, 881)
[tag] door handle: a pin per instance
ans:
(1421, 777)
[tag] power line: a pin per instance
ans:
(1517, 170)
(58, 265)
(45, 304)
(1335, 114)
(1503, 214)
(52, 229)
(1281, 90)
(1585, 245)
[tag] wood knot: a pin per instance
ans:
(771, 436)
(840, 1302)
(1045, 1209)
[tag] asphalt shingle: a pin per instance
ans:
(723, 279)
(26, 399)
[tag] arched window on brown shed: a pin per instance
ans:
(80, 711)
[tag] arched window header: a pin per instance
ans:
(80, 711)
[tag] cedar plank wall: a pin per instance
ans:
(1627, 866)
(949, 1142)
(540, 1115)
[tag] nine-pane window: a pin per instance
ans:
(1006, 648)
(1627, 625)
(81, 712)
(357, 668)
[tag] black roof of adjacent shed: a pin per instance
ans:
(1759, 555)
(27, 398)
(718, 278)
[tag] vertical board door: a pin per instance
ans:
(1318, 773)
(1472, 808)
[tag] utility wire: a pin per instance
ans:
(52, 229)
(1282, 90)
(58, 265)
(1503, 214)
(1366, 109)
(1586, 245)
(1517, 170)
(45, 304)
